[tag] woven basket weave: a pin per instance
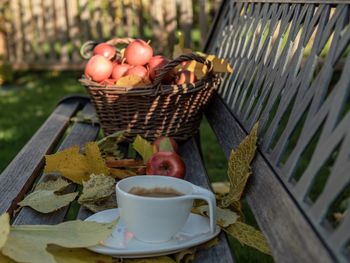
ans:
(152, 111)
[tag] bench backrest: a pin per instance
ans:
(292, 74)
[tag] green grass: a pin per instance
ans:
(29, 101)
(26, 104)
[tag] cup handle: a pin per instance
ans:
(208, 196)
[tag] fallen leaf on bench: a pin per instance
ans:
(144, 148)
(248, 235)
(109, 145)
(121, 173)
(97, 188)
(162, 259)
(33, 239)
(101, 205)
(4, 259)
(221, 188)
(77, 255)
(4, 228)
(186, 256)
(46, 201)
(224, 217)
(85, 118)
(75, 166)
(239, 167)
(55, 185)
(219, 64)
(98, 193)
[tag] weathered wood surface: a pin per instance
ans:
(196, 173)
(80, 134)
(291, 74)
(19, 176)
(290, 236)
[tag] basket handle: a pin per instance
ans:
(172, 64)
(87, 48)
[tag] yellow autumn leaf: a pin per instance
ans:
(77, 255)
(197, 68)
(95, 161)
(239, 167)
(221, 188)
(75, 166)
(132, 81)
(249, 236)
(4, 259)
(4, 228)
(224, 217)
(219, 64)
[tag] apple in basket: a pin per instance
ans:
(140, 71)
(98, 68)
(186, 76)
(155, 64)
(138, 53)
(119, 70)
(105, 50)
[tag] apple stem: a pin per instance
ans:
(149, 42)
(123, 60)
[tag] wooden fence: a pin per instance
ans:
(47, 34)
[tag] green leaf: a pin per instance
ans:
(165, 145)
(25, 244)
(4, 228)
(46, 201)
(239, 167)
(249, 236)
(109, 145)
(54, 185)
(144, 148)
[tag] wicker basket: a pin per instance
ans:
(152, 111)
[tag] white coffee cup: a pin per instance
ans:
(157, 219)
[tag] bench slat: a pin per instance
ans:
(290, 236)
(19, 176)
(79, 135)
(196, 173)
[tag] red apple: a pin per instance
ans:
(162, 144)
(186, 76)
(98, 68)
(155, 64)
(138, 53)
(166, 163)
(105, 50)
(119, 70)
(140, 71)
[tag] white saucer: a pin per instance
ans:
(122, 243)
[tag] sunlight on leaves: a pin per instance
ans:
(144, 148)
(25, 245)
(75, 166)
(4, 228)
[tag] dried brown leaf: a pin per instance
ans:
(121, 173)
(186, 256)
(132, 81)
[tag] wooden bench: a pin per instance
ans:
(292, 74)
